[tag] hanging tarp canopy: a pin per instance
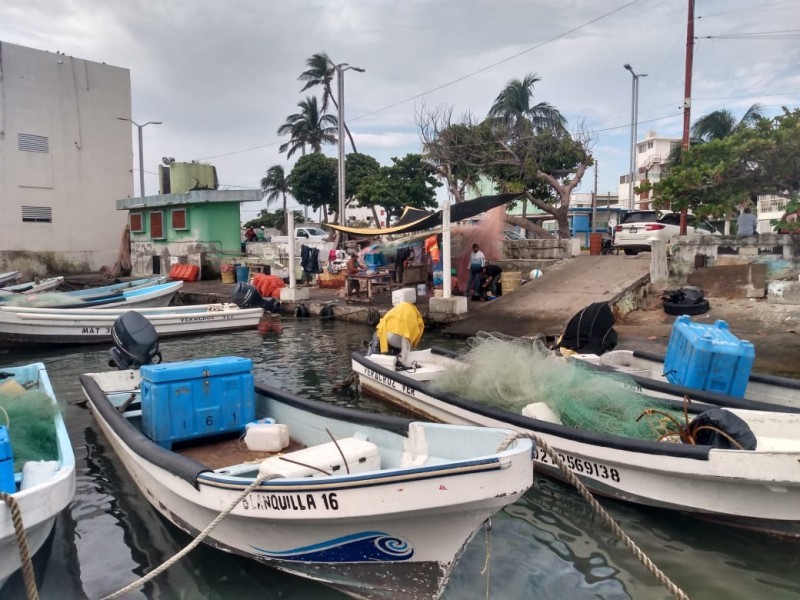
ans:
(415, 219)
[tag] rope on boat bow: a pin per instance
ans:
(22, 544)
(676, 592)
(193, 544)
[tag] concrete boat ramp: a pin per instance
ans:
(545, 305)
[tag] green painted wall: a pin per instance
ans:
(216, 222)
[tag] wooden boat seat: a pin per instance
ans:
(222, 453)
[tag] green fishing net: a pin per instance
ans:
(31, 426)
(510, 373)
(39, 300)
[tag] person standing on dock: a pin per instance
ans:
(477, 261)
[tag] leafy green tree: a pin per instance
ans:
(359, 167)
(309, 127)
(275, 186)
(409, 181)
(320, 71)
(716, 177)
(447, 148)
(520, 147)
(314, 182)
(514, 110)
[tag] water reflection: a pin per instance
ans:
(548, 545)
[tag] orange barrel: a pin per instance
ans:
(595, 244)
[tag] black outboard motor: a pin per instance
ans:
(245, 295)
(135, 342)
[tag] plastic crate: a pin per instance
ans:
(184, 272)
(708, 357)
(374, 260)
(198, 398)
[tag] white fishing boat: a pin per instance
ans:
(32, 287)
(20, 325)
(374, 505)
(42, 485)
(117, 287)
(150, 296)
(8, 277)
(647, 369)
(755, 488)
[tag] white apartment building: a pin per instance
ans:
(651, 155)
(65, 158)
(770, 208)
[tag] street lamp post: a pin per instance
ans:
(634, 121)
(141, 152)
(340, 69)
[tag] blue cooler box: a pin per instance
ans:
(708, 357)
(7, 484)
(196, 398)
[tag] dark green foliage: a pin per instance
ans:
(410, 181)
(716, 177)
(314, 181)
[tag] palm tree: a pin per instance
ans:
(320, 71)
(722, 123)
(274, 186)
(717, 125)
(308, 127)
(512, 107)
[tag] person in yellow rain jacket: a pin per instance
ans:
(398, 331)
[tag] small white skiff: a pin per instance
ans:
(383, 511)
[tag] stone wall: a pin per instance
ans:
(768, 264)
(552, 249)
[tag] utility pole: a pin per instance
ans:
(141, 150)
(594, 200)
(340, 69)
(687, 96)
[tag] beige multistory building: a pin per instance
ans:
(65, 157)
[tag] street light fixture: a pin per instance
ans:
(141, 152)
(634, 121)
(340, 69)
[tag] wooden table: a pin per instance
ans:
(374, 283)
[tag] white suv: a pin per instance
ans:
(638, 227)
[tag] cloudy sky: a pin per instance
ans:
(222, 76)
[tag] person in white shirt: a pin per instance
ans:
(476, 263)
(746, 224)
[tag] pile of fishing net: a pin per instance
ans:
(510, 373)
(29, 416)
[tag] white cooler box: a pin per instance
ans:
(404, 295)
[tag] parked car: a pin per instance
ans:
(510, 234)
(638, 228)
(311, 233)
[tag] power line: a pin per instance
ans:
(454, 81)
(500, 62)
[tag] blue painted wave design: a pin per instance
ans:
(367, 546)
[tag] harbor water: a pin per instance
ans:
(548, 545)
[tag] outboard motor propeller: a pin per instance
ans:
(135, 342)
(245, 295)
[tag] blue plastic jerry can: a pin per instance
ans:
(7, 484)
